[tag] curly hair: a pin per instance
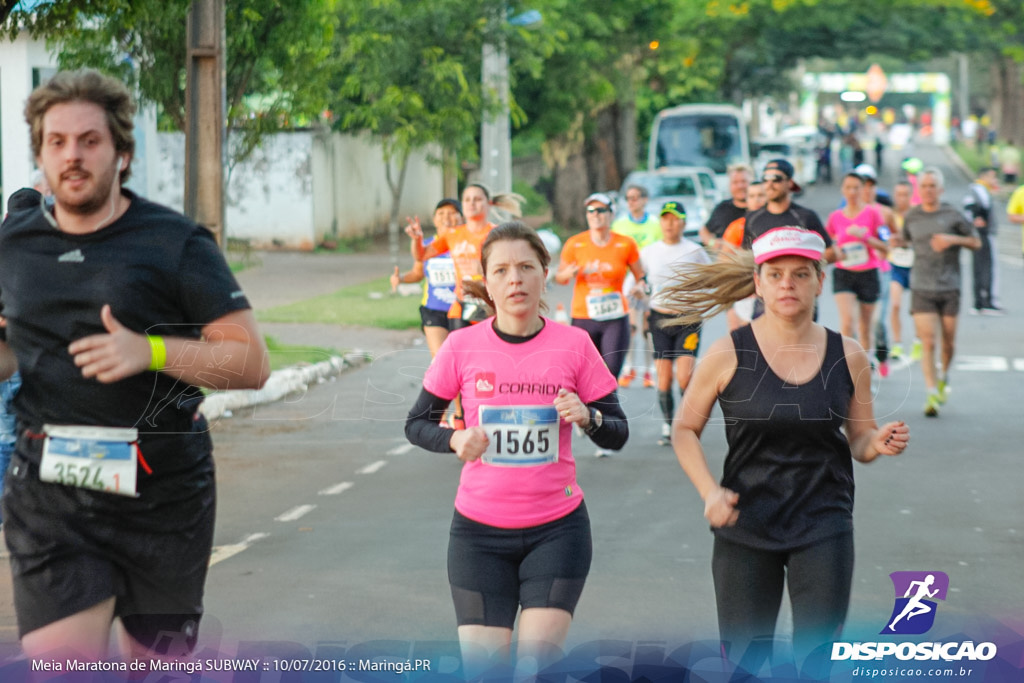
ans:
(86, 85)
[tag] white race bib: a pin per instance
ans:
(902, 257)
(605, 306)
(854, 254)
(521, 436)
(441, 272)
(97, 458)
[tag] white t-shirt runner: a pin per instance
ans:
(662, 261)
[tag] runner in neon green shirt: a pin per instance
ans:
(644, 229)
(637, 223)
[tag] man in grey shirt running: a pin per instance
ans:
(936, 231)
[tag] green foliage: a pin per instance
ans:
(277, 65)
(402, 73)
(535, 204)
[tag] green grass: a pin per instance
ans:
(974, 159)
(283, 355)
(352, 306)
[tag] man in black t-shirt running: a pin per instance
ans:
(781, 211)
(118, 310)
(730, 209)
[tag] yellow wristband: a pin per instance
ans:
(158, 360)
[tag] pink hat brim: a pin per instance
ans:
(806, 253)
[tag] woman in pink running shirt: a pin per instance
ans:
(855, 283)
(520, 537)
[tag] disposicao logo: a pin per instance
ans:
(913, 614)
(916, 593)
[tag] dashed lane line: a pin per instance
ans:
(295, 513)
(372, 467)
(336, 489)
(223, 552)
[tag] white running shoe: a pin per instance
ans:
(666, 435)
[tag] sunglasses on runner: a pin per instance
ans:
(774, 178)
(598, 209)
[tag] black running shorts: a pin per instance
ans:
(430, 317)
(73, 548)
(675, 341)
(494, 571)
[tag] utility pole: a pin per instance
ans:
(204, 116)
(495, 130)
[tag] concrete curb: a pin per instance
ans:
(281, 383)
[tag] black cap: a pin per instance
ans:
(448, 201)
(784, 167)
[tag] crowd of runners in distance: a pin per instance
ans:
(638, 285)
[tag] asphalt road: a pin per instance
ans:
(332, 529)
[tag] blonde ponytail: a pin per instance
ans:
(699, 292)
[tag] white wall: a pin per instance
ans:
(350, 184)
(295, 190)
(17, 59)
(301, 187)
(269, 197)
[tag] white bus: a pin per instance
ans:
(711, 135)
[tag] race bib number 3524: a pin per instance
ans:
(520, 436)
(98, 458)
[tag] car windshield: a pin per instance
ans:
(776, 148)
(667, 185)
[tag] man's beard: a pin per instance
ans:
(91, 203)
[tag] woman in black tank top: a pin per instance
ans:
(797, 404)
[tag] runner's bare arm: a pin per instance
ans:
(867, 440)
(230, 354)
(711, 374)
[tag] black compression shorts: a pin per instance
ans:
(430, 317)
(494, 571)
(73, 548)
(675, 341)
(861, 283)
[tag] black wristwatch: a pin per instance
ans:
(596, 420)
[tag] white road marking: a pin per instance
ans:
(1018, 364)
(401, 450)
(372, 467)
(336, 489)
(223, 552)
(982, 364)
(295, 513)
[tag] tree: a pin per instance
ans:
(278, 57)
(576, 80)
(402, 77)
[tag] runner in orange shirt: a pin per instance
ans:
(598, 260)
(464, 242)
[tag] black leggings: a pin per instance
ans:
(611, 337)
(748, 592)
